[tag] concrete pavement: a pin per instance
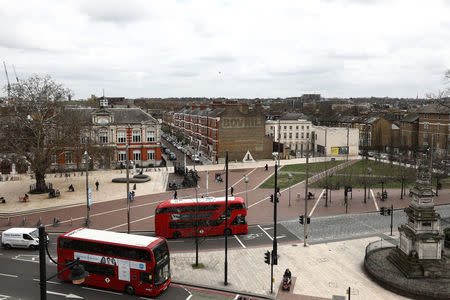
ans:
(321, 270)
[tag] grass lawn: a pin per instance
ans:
(283, 180)
(312, 167)
(378, 168)
(342, 180)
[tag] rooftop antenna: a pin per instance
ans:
(8, 88)
(15, 74)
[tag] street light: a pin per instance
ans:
(78, 273)
(128, 188)
(86, 159)
(290, 180)
(246, 190)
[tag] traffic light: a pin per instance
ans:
(274, 258)
(301, 219)
(267, 257)
(388, 211)
(271, 198)
(308, 220)
(382, 210)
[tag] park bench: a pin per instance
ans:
(54, 193)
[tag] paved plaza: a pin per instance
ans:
(327, 266)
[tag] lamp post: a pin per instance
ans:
(78, 273)
(290, 180)
(246, 190)
(128, 164)
(86, 159)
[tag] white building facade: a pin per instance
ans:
(336, 141)
(293, 130)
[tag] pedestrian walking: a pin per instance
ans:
(175, 195)
(96, 185)
(266, 167)
(132, 195)
(134, 186)
(231, 191)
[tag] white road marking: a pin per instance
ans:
(374, 200)
(73, 296)
(104, 291)
(268, 228)
(271, 238)
(189, 297)
(237, 296)
(4, 297)
(8, 275)
(53, 282)
(123, 224)
(317, 202)
(106, 212)
(243, 246)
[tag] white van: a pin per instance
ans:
(20, 238)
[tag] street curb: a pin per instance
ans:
(200, 286)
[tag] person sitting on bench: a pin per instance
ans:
(310, 195)
(71, 189)
(26, 198)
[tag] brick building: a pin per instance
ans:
(212, 129)
(433, 128)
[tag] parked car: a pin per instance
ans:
(172, 156)
(167, 151)
(370, 153)
(384, 156)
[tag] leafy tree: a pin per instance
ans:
(39, 129)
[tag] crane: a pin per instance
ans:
(15, 74)
(8, 88)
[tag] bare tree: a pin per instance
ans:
(39, 129)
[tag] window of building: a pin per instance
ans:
(438, 127)
(271, 128)
(54, 159)
(121, 137)
(296, 135)
(103, 137)
(122, 156)
(69, 158)
(136, 136)
(425, 135)
(307, 135)
(290, 135)
(303, 135)
(150, 136)
(307, 127)
(426, 125)
(151, 155)
(303, 127)
(290, 127)
(296, 127)
(425, 116)
(284, 135)
(285, 127)
(439, 116)
(136, 155)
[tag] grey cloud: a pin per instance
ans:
(115, 12)
(302, 71)
(355, 56)
(184, 74)
(218, 58)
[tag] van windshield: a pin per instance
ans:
(34, 234)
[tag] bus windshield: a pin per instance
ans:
(162, 266)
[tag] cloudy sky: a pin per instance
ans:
(230, 48)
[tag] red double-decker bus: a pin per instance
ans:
(134, 264)
(181, 217)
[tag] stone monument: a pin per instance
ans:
(419, 254)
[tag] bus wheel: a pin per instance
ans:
(129, 289)
(7, 246)
(176, 235)
(33, 247)
(227, 231)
